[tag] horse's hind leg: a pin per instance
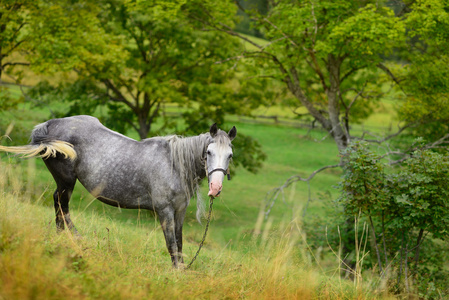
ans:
(64, 175)
(61, 199)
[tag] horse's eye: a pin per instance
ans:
(230, 156)
(208, 152)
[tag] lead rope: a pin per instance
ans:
(211, 202)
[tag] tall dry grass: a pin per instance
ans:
(114, 260)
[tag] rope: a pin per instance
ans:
(205, 232)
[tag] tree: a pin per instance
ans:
(128, 61)
(14, 36)
(13, 39)
(325, 52)
(26, 45)
(336, 58)
(426, 80)
(403, 207)
(137, 61)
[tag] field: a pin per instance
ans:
(122, 253)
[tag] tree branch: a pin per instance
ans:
(405, 8)
(119, 96)
(14, 64)
(380, 141)
(155, 112)
(283, 34)
(407, 153)
(316, 68)
(225, 28)
(132, 125)
(391, 75)
(273, 195)
(296, 90)
(343, 78)
(138, 40)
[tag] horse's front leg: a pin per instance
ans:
(167, 220)
(179, 221)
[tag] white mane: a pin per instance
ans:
(187, 156)
(188, 159)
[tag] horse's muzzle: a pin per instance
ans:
(215, 188)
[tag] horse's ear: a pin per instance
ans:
(232, 133)
(213, 130)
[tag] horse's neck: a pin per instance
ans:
(203, 140)
(188, 158)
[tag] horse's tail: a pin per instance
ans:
(43, 146)
(44, 150)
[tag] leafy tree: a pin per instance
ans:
(426, 79)
(403, 209)
(137, 61)
(26, 45)
(129, 61)
(14, 36)
(336, 58)
(325, 52)
(13, 39)
(16, 44)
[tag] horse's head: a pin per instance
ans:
(218, 156)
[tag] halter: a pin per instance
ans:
(226, 172)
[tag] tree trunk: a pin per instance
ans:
(336, 125)
(143, 126)
(384, 244)
(418, 247)
(147, 112)
(376, 247)
(401, 261)
(2, 30)
(407, 288)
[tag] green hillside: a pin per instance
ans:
(122, 253)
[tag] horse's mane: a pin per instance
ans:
(188, 159)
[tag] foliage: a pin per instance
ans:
(14, 36)
(144, 62)
(425, 79)
(402, 208)
(127, 61)
(324, 52)
(248, 153)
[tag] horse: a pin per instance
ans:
(159, 174)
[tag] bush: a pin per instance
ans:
(408, 214)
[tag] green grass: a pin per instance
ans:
(117, 260)
(289, 153)
(122, 253)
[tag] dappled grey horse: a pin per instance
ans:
(159, 174)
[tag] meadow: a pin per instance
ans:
(122, 253)
(292, 252)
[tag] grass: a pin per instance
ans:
(122, 253)
(115, 260)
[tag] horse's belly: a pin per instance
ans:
(121, 192)
(125, 204)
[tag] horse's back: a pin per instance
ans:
(74, 130)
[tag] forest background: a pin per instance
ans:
(352, 168)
